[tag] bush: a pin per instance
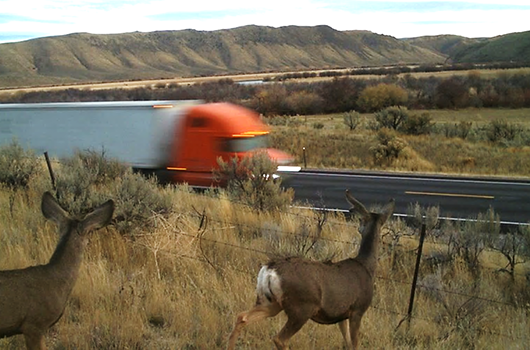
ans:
(250, 180)
(352, 119)
(282, 120)
(304, 102)
(418, 124)
(98, 167)
(470, 238)
(514, 246)
(18, 166)
(392, 117)
(139, 201)
(340, 94)
(271, 100)
(388, 148)
(452, 93)
(374, 98)
(500, 130)
(461, 129)
(89, 178)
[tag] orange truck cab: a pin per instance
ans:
(215, 130)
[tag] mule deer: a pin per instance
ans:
(326, 293)
(33, 299)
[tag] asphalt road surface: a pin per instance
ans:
(460, 198)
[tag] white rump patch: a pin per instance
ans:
(268, 287)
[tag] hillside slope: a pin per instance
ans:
(444, 44)
(86, 57)
(513, 47)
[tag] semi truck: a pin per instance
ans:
(179, 141)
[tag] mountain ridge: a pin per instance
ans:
(85, 57)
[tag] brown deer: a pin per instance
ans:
(33, 299)
(326, 293)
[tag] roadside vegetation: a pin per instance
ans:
(470, 122)
(470, 141)
(175, 267)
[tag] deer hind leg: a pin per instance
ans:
(295, 320)
(255, 314)
(344, 327)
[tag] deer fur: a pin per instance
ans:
(326, 293)
(34, 298)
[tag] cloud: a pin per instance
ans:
(397, 18)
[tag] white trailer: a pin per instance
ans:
(139, 133)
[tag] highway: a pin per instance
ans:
(457, 197)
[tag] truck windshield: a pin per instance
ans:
(244, 144)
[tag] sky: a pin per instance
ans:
(27, 19)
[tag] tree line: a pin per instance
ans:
(506, 89)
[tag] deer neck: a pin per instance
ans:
(66, 260)
(368, 250)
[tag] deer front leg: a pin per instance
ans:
(355, 324)
(344, 327)
(35, 341)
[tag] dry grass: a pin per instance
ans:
(181, 285)
(334, 146)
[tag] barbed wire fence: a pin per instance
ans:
(402, 315)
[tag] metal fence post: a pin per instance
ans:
(415, 278)
(49, 164)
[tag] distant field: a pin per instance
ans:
(482, 115)
(440, 116)
(137, 83)
(485, 73)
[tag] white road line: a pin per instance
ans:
(417, 178)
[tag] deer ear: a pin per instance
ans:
(98, 218)
(52, 210)
(388, 209)
(357, 206)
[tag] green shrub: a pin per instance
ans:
(304, 102)
(282, 120)
(139, 201)
(500, 130)
(461, 129)
(452, 92)
(374, 98)
(98, 167)
(250, 181)
(418, 124)
(470, 238)
(388, 147)
(420, 215)
(392, 117)
(514, 247)
(352, 119)
(270, 100)
(89, 178)
(18, 166)
(318, 126)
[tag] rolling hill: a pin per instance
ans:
(84, 57)
(445, 44)
(504, 48)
